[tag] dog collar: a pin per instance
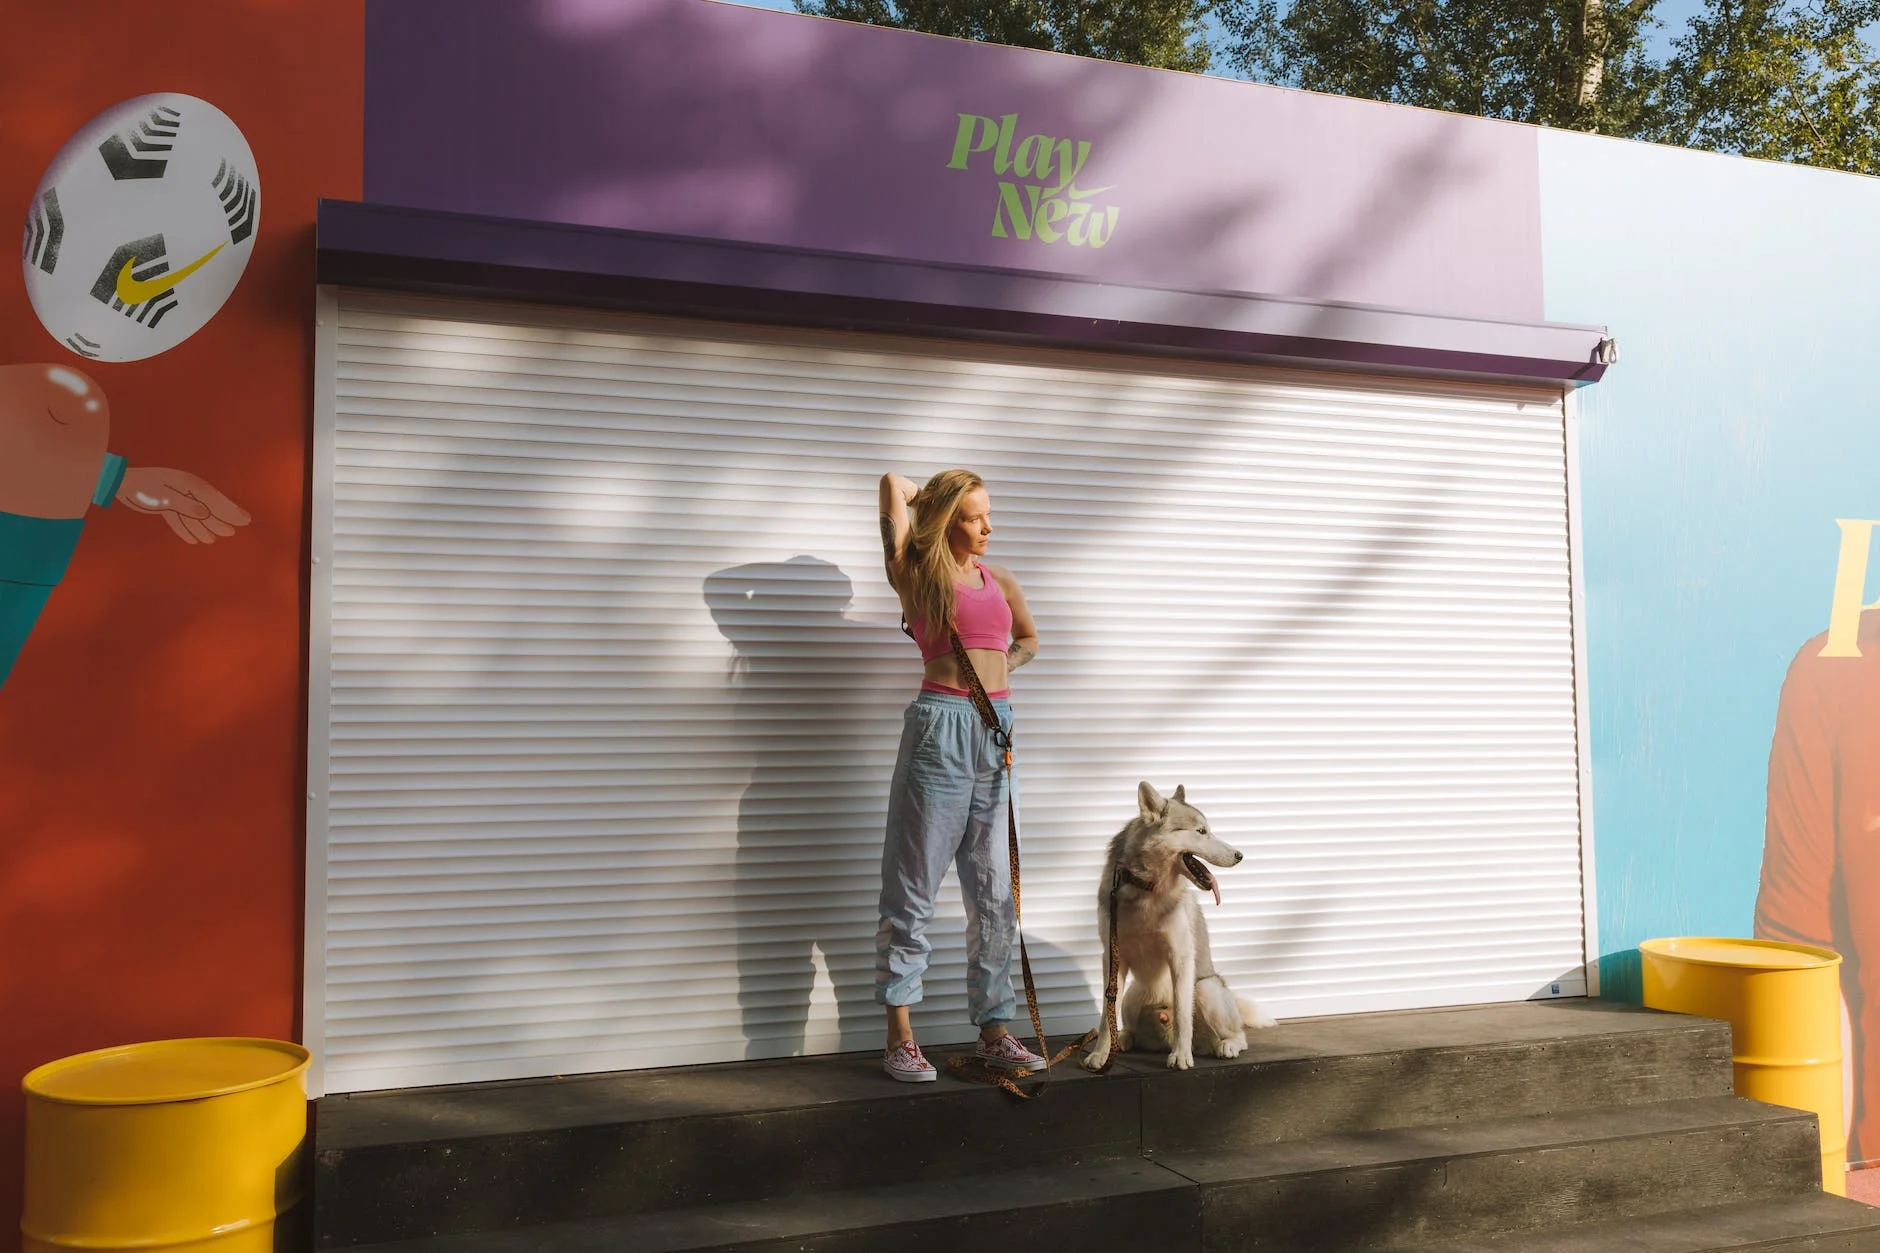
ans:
(1134, 880)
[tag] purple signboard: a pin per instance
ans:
(691, 117)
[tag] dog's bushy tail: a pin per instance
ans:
(1252, 1015)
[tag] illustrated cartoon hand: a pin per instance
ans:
(195, 510)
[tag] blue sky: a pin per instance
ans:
(1672, 15)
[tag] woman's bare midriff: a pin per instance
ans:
(988, 663)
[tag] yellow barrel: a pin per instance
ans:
(1783, 1003)
(174, 1145)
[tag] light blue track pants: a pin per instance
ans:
(947, 804)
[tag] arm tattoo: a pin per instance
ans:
(1017, 655)
(887, 539)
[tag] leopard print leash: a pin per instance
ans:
(967, 1066)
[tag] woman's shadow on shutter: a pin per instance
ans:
(817, 697)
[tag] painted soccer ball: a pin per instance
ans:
(141, 227)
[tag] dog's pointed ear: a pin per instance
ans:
(1181, 793)
(1150, 801)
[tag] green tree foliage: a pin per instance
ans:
(1790, 82)
(1163, 33)
(1551, 62)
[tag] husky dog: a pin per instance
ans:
(1175, 998)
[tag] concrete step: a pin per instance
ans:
(1519, 1184)
(1439, 1186)
(418, 1164)
(1127, 1204)
(1803, 1224)
(404, 1165)
(1374, 1072)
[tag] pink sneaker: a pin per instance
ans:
(905, 1063)
(1006, 1053)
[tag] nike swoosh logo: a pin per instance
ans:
(133, 292)
(1076, 194)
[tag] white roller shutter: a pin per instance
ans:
(608, 680)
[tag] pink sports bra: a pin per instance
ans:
(983, 618)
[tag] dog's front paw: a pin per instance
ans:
(1181, 1059)
(1096, 1059)
(1230, 1047)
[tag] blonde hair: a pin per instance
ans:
(927, 567)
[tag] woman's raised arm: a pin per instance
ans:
(896, 492)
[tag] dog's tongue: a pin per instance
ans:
(1198, 873)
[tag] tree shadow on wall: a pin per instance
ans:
(801, 128)
(816, 692)
(729, 178)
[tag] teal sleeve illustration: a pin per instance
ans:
(110, 478)
(33, 556)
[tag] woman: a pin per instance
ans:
(948, 798)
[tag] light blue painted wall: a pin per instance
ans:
(1742, 419)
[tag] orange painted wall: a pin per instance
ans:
(152, 736)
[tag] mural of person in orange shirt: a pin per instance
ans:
(1821, 842)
